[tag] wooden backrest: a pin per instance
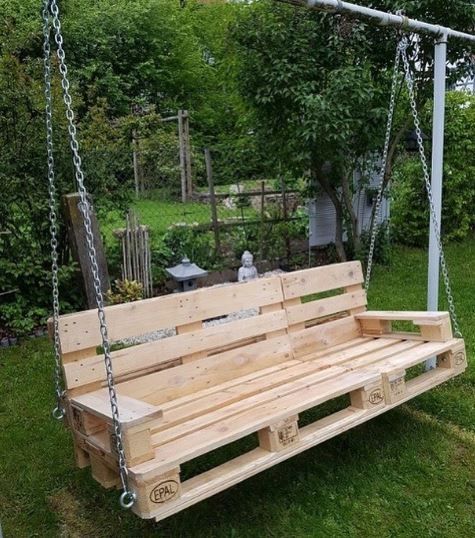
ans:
(320, 305)
(217, 352)
(286, 326)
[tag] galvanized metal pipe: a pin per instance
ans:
(382, 18)
(440, 71)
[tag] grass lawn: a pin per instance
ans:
(407, 473)
(159, 214)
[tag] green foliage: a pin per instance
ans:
(382, 247)
(182, 240)
(319, 86)
(145, 52)
(20, 317)
(410, 210)
(125, 291)
(25, 263)
(315, 101)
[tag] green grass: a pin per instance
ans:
(159, 214)
(408, 473)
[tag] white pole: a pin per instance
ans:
(437, 174)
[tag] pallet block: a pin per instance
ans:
(102, 473)
(394, 384)
(280, 435)
(156, 492)
(368, 397)
(455, 359)
(208, 386)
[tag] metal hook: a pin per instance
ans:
(127, 499)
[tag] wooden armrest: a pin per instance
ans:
(132, 412)
(434, 326)
(418, 318)
(137, 419)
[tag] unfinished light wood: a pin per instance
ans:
(280, 436)
(251, 463)
(325, 307)
(156, 492)
(132, 411)
(181, 380)
(433, 326)
(218, 434)
(321, 279)
(209, 386)
(81, 330)
(454, 359)
(153, 354)
(324, 336)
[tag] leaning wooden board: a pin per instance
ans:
(311, 341)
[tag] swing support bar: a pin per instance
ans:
(382, 18)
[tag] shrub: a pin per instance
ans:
(382, 246)
(125, 291)
(410, 210)
(190, 240)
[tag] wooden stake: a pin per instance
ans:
(136, 163)
(212, 198)
(187, 150)
(181, 139)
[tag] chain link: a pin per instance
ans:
(128, 497)
(384, 163)
(58, 411)
(425, 168)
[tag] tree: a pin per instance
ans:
(320, 86)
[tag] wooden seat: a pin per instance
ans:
(309, 341)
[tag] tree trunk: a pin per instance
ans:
(333, 195)
(390, 160)
(348, 201)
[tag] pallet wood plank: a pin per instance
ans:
(321, 279)
(217, 435)
(132, 411)
(81, 330)
(169, 384)
(419, 318)
(324, 336)
(241, 389)
(419, 353)
(325, 307)
(144, 356)
(249, 464)
(226, 413)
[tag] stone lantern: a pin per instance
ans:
(186, 275)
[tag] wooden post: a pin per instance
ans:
(187, 148)
(181, 139)
(212, 198)
(261, 235)
(286, 219)
(138, 178)
(77, 238)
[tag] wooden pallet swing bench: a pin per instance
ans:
(139, 414)
(209, 385)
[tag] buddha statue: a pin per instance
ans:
(247, 271)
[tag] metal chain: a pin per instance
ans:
(58, 411)
(384, 163)
(128, 497)
(425, 168)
